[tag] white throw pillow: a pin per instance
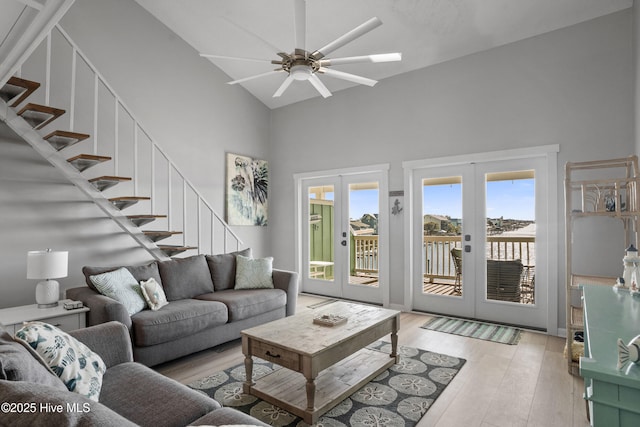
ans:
(153, 294)
(121, 286)
(79, 368)
(254, 273)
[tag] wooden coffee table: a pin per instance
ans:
(333, 360)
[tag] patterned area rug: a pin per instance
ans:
(469, 328)
(400, 396)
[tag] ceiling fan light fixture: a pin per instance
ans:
(386, 57)
(300, 72)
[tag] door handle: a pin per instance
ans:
(467, 248)
(343, 243)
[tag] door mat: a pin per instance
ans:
(399, 396)
(470, 328)
(322, 303)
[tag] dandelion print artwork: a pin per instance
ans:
(247, 182)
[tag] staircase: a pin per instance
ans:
(35, 122)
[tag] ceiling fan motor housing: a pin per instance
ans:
(300, 64)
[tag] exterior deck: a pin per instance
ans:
(439, 266)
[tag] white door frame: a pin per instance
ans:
(550, 154)
(383, 224)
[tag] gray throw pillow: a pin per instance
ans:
(18, 363)
(223, 268)
(185, 277)
(140, 272)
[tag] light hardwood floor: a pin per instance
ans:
(499, 386)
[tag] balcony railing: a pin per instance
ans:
(438, 262)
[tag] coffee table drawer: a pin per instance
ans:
(276, 355)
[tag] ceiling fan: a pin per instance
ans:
(303, 65)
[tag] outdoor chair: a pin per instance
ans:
(503, 280)
(456, 253)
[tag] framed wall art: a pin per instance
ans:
(247, 185)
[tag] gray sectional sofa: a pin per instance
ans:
(204, 309)
(131, 393)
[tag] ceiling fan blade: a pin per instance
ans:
(235, 58)
(348, 37)
(347, 76)
(254, 77)
(300, 23)
(285, 84)
(382, 57)
(320, 87)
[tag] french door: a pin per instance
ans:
(343, 236)
(479, 241)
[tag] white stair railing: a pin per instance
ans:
(130, 145)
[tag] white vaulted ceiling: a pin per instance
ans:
(425, 31)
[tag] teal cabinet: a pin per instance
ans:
(613, 395)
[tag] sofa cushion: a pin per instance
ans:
(150, 399)
(79, 368)
(254, 273)
(246, 303)
(122, 287)
(18, 363)
(176, 320)
(140, 272)
(84, 412)
(223, 268)
(185, 277)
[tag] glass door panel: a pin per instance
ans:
(321, 232)
(364, 207)
(510, 237)
(441, 230)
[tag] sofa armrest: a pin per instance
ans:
(102, 309)
(288, 282)
(110, 340)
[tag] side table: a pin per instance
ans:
(12, 318)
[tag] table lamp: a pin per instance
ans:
(47, 265)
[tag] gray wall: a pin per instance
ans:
(180, 98)
(571, 87)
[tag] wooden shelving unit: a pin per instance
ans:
(601, 188)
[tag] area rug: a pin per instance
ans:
(400, 396)
(470, 328)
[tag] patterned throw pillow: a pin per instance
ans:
(79, 368)
(153, 294)
(254, 273)
(122, 287)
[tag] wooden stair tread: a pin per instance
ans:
(60, 139)
(127, 201)
(157, 235)
(18, 90)
(83, 162)
(172, 250)
(104, 182)
(38, 116)
(130, 198)
(140, 220)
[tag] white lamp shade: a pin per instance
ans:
(47, 264)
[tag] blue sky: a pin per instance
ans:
(509, 199)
